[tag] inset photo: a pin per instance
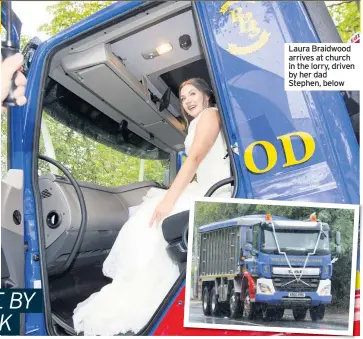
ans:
(272, 266)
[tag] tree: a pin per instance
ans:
(338, 219)
(67, 13)
(4, 143)
(346, 17)
(24, 39)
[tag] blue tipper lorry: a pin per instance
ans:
(258, 266)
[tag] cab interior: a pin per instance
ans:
(118, 86)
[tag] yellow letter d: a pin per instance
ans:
(309, 144)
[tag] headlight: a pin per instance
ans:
(325, 290)
(264, 288)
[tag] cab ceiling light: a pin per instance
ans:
(160, 50)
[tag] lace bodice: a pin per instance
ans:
(213, 167)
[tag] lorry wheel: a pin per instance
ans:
(317, 313)
(235, 306)
(206, 302)
(280, 313)
(258, 312)
(249, 308)
(299, 313)
(268, 314)
(215, 305)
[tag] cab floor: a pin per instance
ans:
(74, 287)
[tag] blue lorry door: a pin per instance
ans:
(245, 43)
(22, 156)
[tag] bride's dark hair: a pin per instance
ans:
(200, 85)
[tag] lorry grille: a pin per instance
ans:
(296, 286)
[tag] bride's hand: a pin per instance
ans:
(161, 211)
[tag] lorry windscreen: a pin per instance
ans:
(295, 242)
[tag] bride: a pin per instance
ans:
(138, 263)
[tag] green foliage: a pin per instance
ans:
(93, 162)
(3, 34)
(346, 17)
(4, 143)
(24, 39)
(338, 219)
(67, 13)
(340, 282)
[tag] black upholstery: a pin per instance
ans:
(174, 226)
(173, 230)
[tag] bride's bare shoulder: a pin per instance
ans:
(213, 110)
(212, 113)
(208, 117)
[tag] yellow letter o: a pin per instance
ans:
(271, 157)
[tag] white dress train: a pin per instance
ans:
(138, 263)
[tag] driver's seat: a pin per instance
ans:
(173, 230)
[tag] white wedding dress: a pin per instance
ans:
(138, 263)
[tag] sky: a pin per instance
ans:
(27, 11)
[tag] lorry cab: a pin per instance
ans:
(103, 105)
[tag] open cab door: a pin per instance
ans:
(19, 249)
(12, 221)
(12, 228)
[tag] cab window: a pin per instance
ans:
(92, 161)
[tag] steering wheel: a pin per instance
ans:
(185, 236)
(82, 227)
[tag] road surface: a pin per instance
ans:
(331, 321)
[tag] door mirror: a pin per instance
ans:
(338, 249)
(248, 248)
(249, 236)
(325, 227)
(28, 52)
(254, 252)
(337, 238)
